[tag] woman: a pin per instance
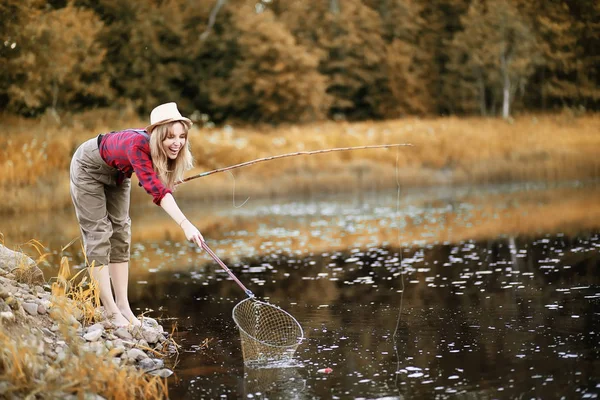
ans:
(101, 169)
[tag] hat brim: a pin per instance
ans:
(185, 120)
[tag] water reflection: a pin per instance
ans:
(436, 294)
(441, 320)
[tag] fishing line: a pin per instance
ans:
(401, 273)
(233, 193)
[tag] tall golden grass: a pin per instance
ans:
(35, 155)
(26, 370)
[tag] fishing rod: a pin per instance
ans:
(298, 153)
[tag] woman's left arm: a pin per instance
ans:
(191, 232)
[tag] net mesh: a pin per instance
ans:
(268, 333)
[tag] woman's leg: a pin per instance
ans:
(119, 274)
(89, 200)
(117, 205)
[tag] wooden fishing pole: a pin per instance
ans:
(298, 153)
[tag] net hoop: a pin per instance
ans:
(269, 334)
(300, 337)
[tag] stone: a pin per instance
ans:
(151, 336)
(95, 327)
(12, 302)
(136, 354)
(123, 334)
(10, 260)
(147, 364)
(163, 373)
(31, 308)
(7, 315)
(42, 309)
(94, 335)
(150, 323)
(29, 275)
(117, 350)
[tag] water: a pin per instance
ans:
(489, 293)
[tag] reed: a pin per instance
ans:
(30, 369)
(35, 155)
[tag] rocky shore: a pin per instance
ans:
(47, 343)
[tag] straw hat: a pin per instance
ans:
(164, 114)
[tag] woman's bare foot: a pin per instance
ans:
(130, 316)
(118, 320)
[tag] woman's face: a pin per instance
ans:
(175, 141)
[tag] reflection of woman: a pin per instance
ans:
(101, 169)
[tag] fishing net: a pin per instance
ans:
(269, 334)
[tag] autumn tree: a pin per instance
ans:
(274, 79)
(60, 62)
(568, 41)
(348, 38)
(491, 58)
(440, 22)
(401, 23)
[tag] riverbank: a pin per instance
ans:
(35, 155)
(55, 344)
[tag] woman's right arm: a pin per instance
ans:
(191, 232)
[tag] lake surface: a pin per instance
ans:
(439, 293)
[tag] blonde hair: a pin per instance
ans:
(169, 171)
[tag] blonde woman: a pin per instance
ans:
(100, 174)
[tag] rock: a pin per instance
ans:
(41, 309)
(7, 315)
(136, 354)
(31, 308)
(163, 373)
(95, 327)
(150, 323)
(123, 334)
(94, 335)
(158, 362)
(151, 336)
(12, 302)
(29, 275)
(117, 350)
(10, 260)
(60, 354)
(147, 364)
(48, 332)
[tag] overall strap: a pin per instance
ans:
(142, 132)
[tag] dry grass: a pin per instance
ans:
(35, 154)
(28, 371)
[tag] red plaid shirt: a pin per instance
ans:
(129, 152)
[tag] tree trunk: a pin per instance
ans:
(505, 88)
(481, 84)
(212, 18)
(334, 6)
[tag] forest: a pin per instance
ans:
(277, 61)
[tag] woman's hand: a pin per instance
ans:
(192, 233)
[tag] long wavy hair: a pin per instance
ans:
(169, 171)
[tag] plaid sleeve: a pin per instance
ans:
(142, 166)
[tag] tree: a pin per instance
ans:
(492, 57)
(401, 22)
(568, 41)
(14, 14)
(348, 39)
(59, 63)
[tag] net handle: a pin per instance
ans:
(222, 264)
